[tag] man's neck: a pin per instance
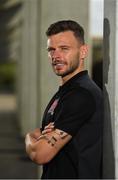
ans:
(68, 77)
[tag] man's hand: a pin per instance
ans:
(36, 133)
(31, 138)
(48, 128)
(43, 146)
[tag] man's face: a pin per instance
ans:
(64, 52)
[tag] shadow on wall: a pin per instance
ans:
(108, 152)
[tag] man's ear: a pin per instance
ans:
(83, 51)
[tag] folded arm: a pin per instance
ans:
(42, 147)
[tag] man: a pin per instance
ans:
(69, 145)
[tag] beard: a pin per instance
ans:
(71, 67)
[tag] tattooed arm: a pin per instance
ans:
(43, 148)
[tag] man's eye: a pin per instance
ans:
(65, 48)
(50, 49)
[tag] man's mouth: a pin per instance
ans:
(58, 65)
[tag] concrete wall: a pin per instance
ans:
(110, 77)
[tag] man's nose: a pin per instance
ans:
(56, 54)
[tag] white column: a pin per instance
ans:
(28, 67)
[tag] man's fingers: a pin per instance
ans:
(50, 125)
(47, 130)
(36, 133)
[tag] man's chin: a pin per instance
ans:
(60, 74)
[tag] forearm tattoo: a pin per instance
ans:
(53, 140)
(61, 134)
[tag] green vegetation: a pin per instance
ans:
(7, 77)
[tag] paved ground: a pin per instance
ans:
(14, 163)
(7, 102)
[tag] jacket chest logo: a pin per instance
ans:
(53, 106)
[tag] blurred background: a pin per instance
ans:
(26, 78)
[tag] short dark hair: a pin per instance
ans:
(66, 25)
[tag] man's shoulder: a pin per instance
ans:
(77, 95)
(89, 85)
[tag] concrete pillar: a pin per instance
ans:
(116, 90)
(27, 67)
(110, 80)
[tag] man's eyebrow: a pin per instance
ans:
(50, 48)
(64, 46)
(60, 46)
